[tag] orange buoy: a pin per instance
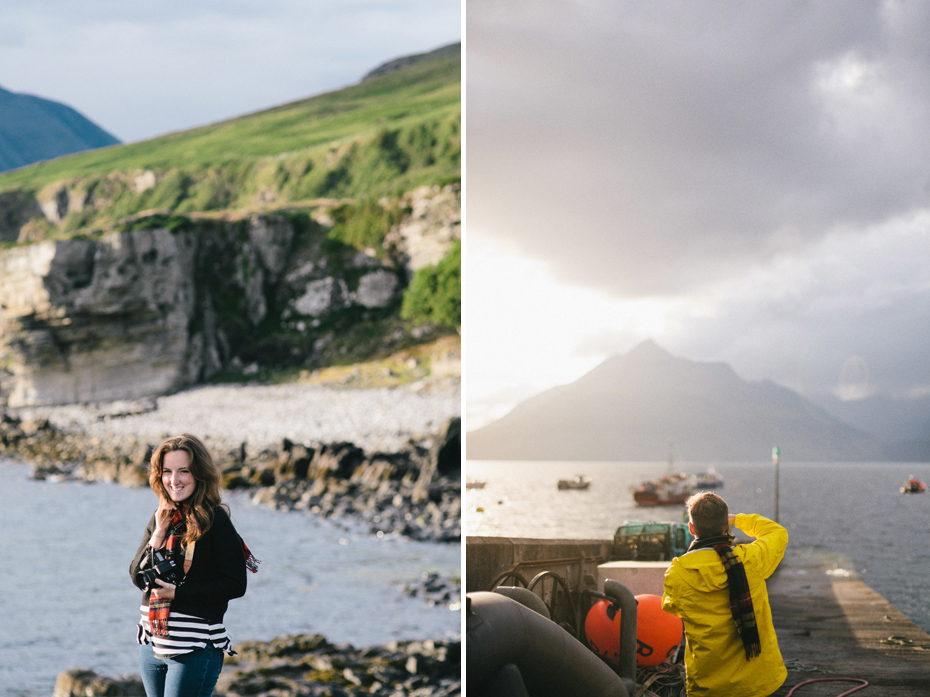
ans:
(602, 630)
(658, 633)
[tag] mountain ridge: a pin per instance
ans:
(34, 128)
(641, 405)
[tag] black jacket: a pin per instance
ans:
(217, 573)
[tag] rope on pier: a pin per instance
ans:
(865, 683)
(664, 680)
(903, 641)
(795, 666)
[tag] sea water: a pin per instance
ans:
(851, 513)
(66, 599)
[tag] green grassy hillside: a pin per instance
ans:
(381, 137)
(302, 220)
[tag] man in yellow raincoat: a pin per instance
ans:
(719, 593)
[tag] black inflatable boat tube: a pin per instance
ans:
(552, 663)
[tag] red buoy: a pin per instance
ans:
(602, 630)
(658, 633)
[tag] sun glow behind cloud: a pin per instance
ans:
(531, 331)
(802, 320)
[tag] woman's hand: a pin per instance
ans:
(163, 519)
(166, 592)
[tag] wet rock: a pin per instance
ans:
(336, 459)
(436, 590)
(445, 454)
(309, 665)
(78, 682)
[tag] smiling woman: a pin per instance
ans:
(181, 632)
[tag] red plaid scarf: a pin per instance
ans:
(740, 597)
(251, 563)
(160, 608)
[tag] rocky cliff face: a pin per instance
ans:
(91, 320)
(165, 303)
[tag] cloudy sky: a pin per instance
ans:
(740, 181)
(144, 69)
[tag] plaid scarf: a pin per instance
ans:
(740, 598)
(160, 608)
(251, 563)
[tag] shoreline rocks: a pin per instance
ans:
(412, 491)
(309, 666)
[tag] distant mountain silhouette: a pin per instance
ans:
(631, 407)
(33, 129)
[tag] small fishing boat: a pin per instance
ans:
(913, 486)
(669, 490)
(579, 482)
(708, 479)
(475, 485)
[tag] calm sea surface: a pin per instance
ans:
(849, 511)
(66, 600)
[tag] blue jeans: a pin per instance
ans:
(188, 675)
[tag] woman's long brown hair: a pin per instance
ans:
(206, 496)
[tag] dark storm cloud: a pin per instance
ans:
(654, 147)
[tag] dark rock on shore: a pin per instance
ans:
(414, 492)
(78, 682)
(307, 665)
(436, 590)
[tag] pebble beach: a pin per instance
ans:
(378, 419)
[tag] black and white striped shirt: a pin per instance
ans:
(186, 633)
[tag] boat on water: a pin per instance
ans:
(579, 482)
(669, 490)
(913, 486)
(708, 479)
(475, 485)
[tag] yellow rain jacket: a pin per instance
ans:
(696, 590)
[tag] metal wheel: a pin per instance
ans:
(549, 598)
(498, 580)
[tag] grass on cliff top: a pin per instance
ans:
(428, 91)
(438, 359)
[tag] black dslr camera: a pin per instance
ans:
(162, 567)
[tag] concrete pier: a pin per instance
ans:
(828, 619)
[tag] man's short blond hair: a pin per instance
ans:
(709, 514)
